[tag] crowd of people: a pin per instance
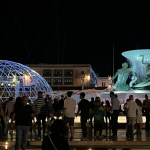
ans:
(101, 115)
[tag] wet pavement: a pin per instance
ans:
(8, 141)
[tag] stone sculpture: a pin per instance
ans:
(122, 74)
(146, 81)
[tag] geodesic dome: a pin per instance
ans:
(19, 80)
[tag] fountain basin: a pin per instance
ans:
(135, 54)
(124, 95)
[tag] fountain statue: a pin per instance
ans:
(139, 61)
(122, 74)
(146, 81)
(138, 72)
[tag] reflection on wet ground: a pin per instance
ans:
(36, 144)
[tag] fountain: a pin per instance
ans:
(139, 68)
(139, 61)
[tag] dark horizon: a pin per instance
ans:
(72, 32)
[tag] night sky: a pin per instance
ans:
(73, 32)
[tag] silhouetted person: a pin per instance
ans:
(56, 140)
(23, 115)
(84, 107)
(146, 106)
(41, 113)
(69, 112)
(61, 103)
(92, 106)
(115, 114)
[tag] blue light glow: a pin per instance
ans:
(19, 80)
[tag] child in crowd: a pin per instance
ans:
(98, 119)
(139, 119)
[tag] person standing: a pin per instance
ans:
(132, 111)
(8, 110)
(1, 116)
(31, 104)
(69, 112)
(98, 119)
(84, 107)
(92, 106)
(41, 112)
(146, 107)
(108, 110)
(51, 110)
(56, 108)
(61, 103)
(47, 97)
(115, 113)
(23, 114)
(125, 112)
(139, 119)
(57, 139)
(17, 104)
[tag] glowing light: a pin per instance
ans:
(9, 84)
(13, 84)
(6, 143)
(88, 77)
(15, 75)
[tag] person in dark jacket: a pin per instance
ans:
(84, 107)
(56, 108)
(61, 103)
(92, 106)
(57, 139)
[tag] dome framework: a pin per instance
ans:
(19, 80)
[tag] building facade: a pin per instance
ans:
(104, 82)
(67, 75)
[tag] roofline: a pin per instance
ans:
(58, 65)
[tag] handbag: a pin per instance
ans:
(52, 142)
